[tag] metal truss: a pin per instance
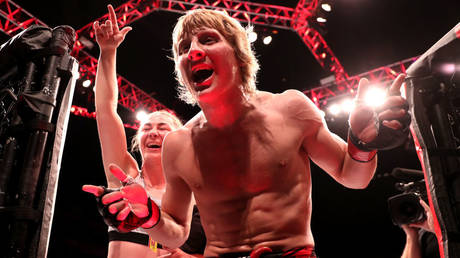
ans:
(282, 17)
(81, 111)
(129, 95)
(300, 23)
(254, 13)
(14, 19)
(383, 75)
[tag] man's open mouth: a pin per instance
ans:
(201, 75)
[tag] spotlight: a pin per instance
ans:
(267, 40)
(321, 20)
(326, 7)
(334, 109)
(252, 36)
(86, 83)
(375, 96)
(141, 116)
(347, 105)
(448, 68)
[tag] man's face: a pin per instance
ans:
(208, 65)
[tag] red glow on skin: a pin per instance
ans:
(260, 185)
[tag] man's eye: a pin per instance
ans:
(183, 49)
(208, 40)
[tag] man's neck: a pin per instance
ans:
(225, 111)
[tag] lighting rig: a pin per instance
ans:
(301, 19)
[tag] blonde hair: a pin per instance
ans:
(173, 122)
(232, 31)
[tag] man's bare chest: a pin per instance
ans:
(245, 160)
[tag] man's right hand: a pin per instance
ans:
(108, 34)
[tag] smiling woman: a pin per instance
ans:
(119, 162)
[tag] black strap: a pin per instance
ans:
(133, 237)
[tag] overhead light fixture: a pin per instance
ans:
(347, 105)
(375, 96)
(334, 109)
(267, 40)
(141, 116)
(86, 83)
(321, 20)
(326, 7)
(252, 36)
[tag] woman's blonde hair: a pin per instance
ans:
(173, 122)
(232, 31)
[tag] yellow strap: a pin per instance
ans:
(153, 245)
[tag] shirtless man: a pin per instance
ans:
(246, 156)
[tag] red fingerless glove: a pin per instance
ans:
(154, 215)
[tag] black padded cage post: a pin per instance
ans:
(433, 93)
(37, 80)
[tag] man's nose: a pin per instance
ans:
(195, 54)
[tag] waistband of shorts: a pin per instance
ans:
(305, 252)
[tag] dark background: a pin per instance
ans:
(363, 34)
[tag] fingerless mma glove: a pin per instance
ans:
(387, 138)
(131, 221)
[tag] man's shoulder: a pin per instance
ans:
(287, 100)
(296, 105)
(178, 135)
(176, 140)
(290, 94)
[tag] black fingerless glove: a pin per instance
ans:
(387, 138)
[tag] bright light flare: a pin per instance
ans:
(347, 105)
(252, 36)
(448, 68)
(375, 97)
(326, 7)
(141, 116)
(267, 40)
(321, 20)
(86, 83)
(334, 109)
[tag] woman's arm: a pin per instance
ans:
(110, 126)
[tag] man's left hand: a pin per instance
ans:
(381, 128)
